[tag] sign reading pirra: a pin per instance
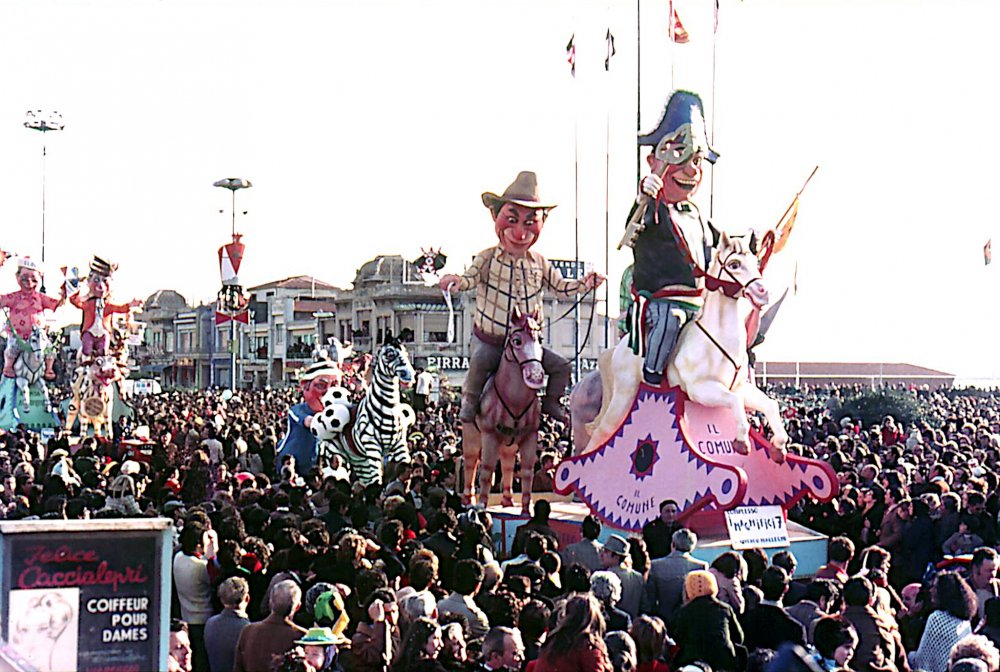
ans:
(87, 595)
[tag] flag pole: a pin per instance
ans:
(638, 87)
(576, 215)
(804, 185)
(715, 49)
(607, 189)
(576, 241)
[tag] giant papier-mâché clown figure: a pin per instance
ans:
(674, 393)
(510, 275)
(299, 442)
(96, 329)
(669, 239)
(25, 310)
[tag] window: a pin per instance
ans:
(436, 327)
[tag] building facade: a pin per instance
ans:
(389, 295)
(184, 347)
(287, 317)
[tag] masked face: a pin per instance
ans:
(680, 180)
(518, 227)
(28, 279)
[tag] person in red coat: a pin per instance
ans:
(577, 643)
(95, 331)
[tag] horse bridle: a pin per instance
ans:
(511, 356)
(731, 288)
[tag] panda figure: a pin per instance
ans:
(331, 421)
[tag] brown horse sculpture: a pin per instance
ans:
(508, 416)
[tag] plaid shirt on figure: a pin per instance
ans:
(502, 281)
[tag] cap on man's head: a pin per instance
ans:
(616, 544)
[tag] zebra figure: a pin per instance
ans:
(374, 431)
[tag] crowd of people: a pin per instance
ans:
(275, 571)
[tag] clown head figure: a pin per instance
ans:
(518, 214)
(27, 276)
(316, 380)
(99, 280)
(680, 146)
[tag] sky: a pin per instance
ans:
(372, 127)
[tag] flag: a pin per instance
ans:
(611, 49)
(784, 228)
(988, 252)
(571, 55)
(677, 31)
(716, 15)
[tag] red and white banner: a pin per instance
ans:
(230, 258)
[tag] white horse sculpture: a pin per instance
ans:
(29, 367)
(709, 362)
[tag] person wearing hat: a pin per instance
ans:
(614, 556)
(299, 442)
(510, 275)
(95, 330)
(706, 629)
(320, 646)
(669, 239)
(25, 309)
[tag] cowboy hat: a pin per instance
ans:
(522, 191)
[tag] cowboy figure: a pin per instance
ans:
(673, 240)
(95, 331)
(25, 309)
(509, 275)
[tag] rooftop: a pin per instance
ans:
(295, 282)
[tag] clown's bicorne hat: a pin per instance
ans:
(683, 107)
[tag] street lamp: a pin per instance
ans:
(233, 183)
(44, 121)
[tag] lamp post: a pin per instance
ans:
(44, 121)
(233, 184)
